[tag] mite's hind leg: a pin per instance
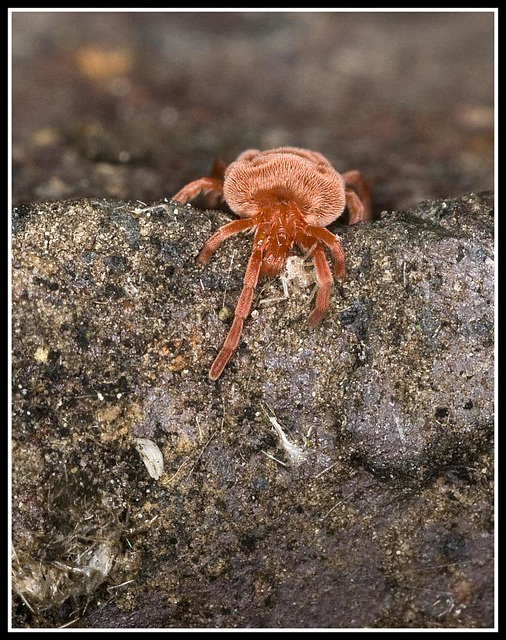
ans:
(213, 199)
(218, 169)
(334, 244)
(358, 199)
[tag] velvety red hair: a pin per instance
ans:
(287, 174)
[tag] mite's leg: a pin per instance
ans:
(241, 313)
(222, 234)
(334, 244)
(360, 205)
(193, 189)
(213, 199)
(218, 169)
(355, 207)
(325, 279)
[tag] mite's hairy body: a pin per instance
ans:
(287, 196)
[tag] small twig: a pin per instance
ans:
(330, 510)
(228, 278)
(165, 207)
(25, 600)
(273, 458)
(309, 252)
(201, 453)
(178, 470)
(313, 292)
(266, 301)
(325, 470)
(67, 624)
(117, 586)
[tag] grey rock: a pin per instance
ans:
(386, 521)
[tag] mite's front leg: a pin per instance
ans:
(222, 234)
(193, 189)
(325, 279)
(241, 313)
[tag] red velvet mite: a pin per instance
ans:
(286, 196)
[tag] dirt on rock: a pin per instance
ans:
(338, 477)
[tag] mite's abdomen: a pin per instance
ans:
(259, 179)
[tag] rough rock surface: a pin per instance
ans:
(375, 508)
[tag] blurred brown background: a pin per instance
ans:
(133, 105)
